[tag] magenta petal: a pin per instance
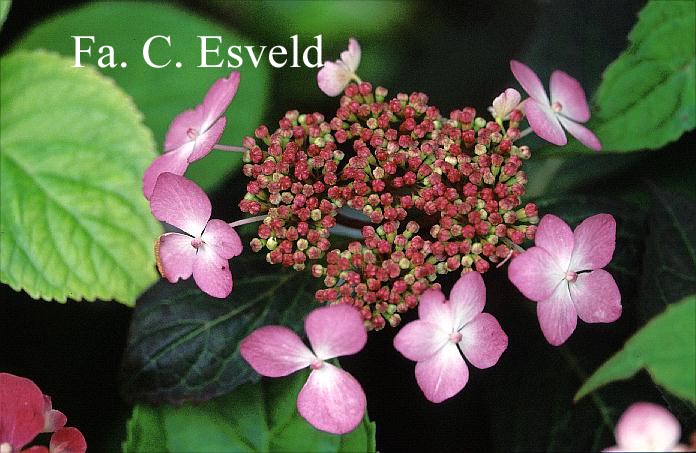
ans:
(21, 410)
(544, 122)
(68, 440)
(182, 127)
(175, 161)
(275, 351)
(212, 273)
(205, 142)
(569, 93)
(557, 316)
(53, 419)
(535, 273)
(582, 133)
(332, 400)
(335, 331)
(467, 298)
(218, 99)
(420, 340)
(333, 78)
(647, 427)
(483, 341)
(443, 375)
(175, 256)
(529, 81)
(596, 296)
(556, 237)
(595, 240)
(433, 308)
(222, 237)
(181, 203)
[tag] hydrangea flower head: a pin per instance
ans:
(647, 427)
(563, 273)
(566, 109)
(331, 400)
(206, 245)
(446, 332)
(335, 76)
(193, 133)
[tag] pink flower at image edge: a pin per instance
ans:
(335, 76)
(647, 427)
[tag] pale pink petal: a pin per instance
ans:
(335, 331)
(184, 127)
(544, 122)
(275, 351)
(212, 273)
(529, 81)
(535, 273)
(569, 93)
(351, 57)
(582, 133)
(557, 316)
(204, 143)
(433, 308)
(332, 400)
(556, 237)
(506, 102)
(181, 203)
(53, 419)
(443, 375)
(68, 440)
(467, 298)
(647, 427)
(222, 237)
(596, 296)
(175, 256)
(175, 162)
(21, 410)
(612, 449)
(595, 240)
(483, 341)
(218, 99)
(333, 78)
(420, 340)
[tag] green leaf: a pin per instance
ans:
(163, 93)
(73, 219)
(184, 345)
(4, 11)
(255, 417)
(664, 347)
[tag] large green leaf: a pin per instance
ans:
(255, 417)
(163, 93)
(4, 10)
(72, 151)
(184, 345)
(664, 347)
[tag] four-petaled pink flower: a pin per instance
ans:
(206, 247)
(553, 273)
(25, 412)
(445, 330)
(335, 76)
(647, 427)
(568, 107)
(193, 133)
(331, 400)
(505, 103)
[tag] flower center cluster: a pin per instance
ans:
(571, 276)
(196, 242)
(441, 194)
(192, 133)
(455, 337)
(556, 107)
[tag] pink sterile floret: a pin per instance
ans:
(206, 247)
(443, 329)
(331, 400)
(505, 103)
(335, 76)
(568, 107)
(647, 427)
(193, 133)
(553, 273)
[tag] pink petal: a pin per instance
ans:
(222, 238)
(35, 449)
(333, 78)
(557, 316)
(175, 161)
(335, 331)
(332, 400)
(183, 126)
(175, 256)
(351, 57)
(483, 341)
(21, 410)
(556, 237)
(569, 93)
(582, 133)
(212, 273)
(53, 419)
(218, 99)
(467, 298)
(68, 440)
(506, 102)
(419, 340)
(181, 203)
(535, 273)
(595, 240)
(529, 81)
(205, 142)
(443, 375)
(647, 427)
(596, 297)
(275, 351)
(544, 122)
(433, 308)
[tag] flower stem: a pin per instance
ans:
(237, 223)
(525, 132)
(237, 149)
